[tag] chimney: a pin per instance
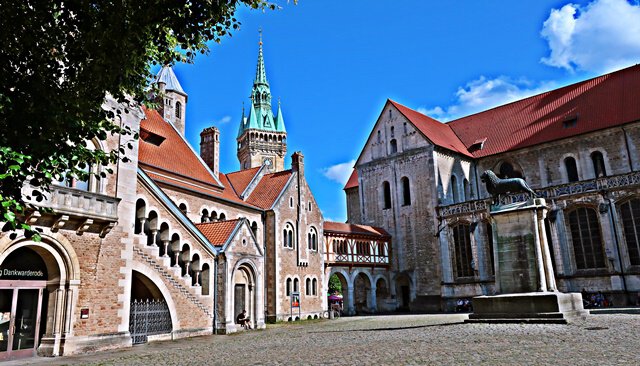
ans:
(297, 162)
(210, 148)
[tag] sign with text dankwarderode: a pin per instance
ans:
(22, 274)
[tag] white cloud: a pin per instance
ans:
(340, 172)
(483, 93)
(600, 37)
(225, 119)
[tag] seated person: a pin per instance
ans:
(243, 320)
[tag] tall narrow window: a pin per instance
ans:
(392, 131)
(587, 240)
(462, 246)
(465, 187)
(312, 238)
(630, 215)
(406, 192)
(288, 286)
(489, 231)
(454, 189)
(314, 287)
(287, 236)
(178, 110)
(379, 136)
(307, 287)
(598, 164)
(571, 168)
(393, 146)
(296, 285)
(386, 191)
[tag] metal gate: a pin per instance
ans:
(148, 317)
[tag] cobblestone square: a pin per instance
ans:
(393, 339)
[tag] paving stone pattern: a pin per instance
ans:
(397, 340)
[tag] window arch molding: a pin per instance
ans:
(627, 209)
(508, 168)
(584, 229)
(598, 156)
(288, 234)
(461, 249)
(564, 172)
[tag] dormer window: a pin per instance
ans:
(478, 144)
(570, 121)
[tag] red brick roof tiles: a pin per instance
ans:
(606, 101)
(353, 180)
(241, 179)
(438, 133)
(342, 228)
(266, 192)
(218, 232)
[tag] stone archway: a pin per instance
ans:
(403, 291)
(57, 288)
(362, 294)
(149, 312)
(347, 291)
(244, 293)
(382, 294)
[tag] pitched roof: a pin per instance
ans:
(602, 102)
(168, 77)
(218, 232)
(241, 179)
(438, 133)
(342, 228)
(267, 191)
(353, 180)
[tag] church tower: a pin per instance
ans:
(174, 102)
(262, 138)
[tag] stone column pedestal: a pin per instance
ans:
(524, 274)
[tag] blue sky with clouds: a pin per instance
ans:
(333, 64)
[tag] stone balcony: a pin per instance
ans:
(603, 184)
(73, 209)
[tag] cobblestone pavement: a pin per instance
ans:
(394, 339)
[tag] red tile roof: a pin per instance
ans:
(266, 192)
(353, 180)
(342, 228)
(173, 154)
(241, 179)
(218, 232)
(438, 133)
(603, 102)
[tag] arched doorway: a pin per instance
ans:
(244, 293)
(362, 293)
(149, 312)
(338, 285)
(382, 293)
(36, 296)
(403, 291)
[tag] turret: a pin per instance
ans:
(210, 148)
(174, 99)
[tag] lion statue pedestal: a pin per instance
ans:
(524, 278)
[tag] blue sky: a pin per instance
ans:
(333, 64)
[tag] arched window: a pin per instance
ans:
(393, 144)
(183, 208)
(598, 164)
(307, 287)
(254, 229)
(386, 192)
(314, 287)
(205, 215)
(287, 236)
(454, 189)
(507, 171)
(587, 240)
(630, 215)
(462, 247)
(288, 286)
(379, 136)
(406, 191)
(312, 239)
(392, 131)
(466, 189)
(296, 285)
(178, 110)
(571, 168)
(222, 217)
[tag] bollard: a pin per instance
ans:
(330, 313)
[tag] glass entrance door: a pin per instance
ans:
(20, 321)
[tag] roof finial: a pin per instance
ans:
(260, 32)
(278, 102)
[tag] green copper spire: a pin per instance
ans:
(279, 119)
(260, 115)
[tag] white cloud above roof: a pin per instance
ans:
(339, 173)
(600, 37)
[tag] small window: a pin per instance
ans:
(287, 236)
(571, 168)
(386, 191)
(406, 192)
(598, 164)
(571, 122)
(291, 202)
(307, 287)
(178, 110)
(404, 125)
(222, 217)
(288, 286)
(392, 131)
(314, 287)
(467, 191)
(183, 208)
(454, 189)
(254, 229)
(393, 146)
(379, 137)
(309, 206)
(296, 285)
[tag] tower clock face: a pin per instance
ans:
(267, 161)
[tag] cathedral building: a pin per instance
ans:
(576, 146)
(167, 246)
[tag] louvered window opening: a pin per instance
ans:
(587, 240)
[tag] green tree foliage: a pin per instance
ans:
(334, 284)
(59, 61)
